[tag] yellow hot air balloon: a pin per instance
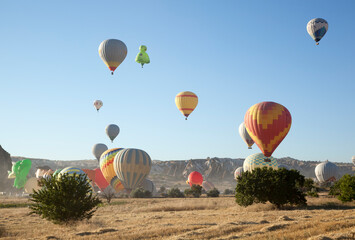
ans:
(112, 52)
(186, 102)
(106, 166)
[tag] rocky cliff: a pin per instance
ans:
(5, 165)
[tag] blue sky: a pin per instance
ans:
(232, 54)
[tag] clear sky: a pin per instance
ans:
(232, 54)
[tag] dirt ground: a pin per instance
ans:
(189, 218)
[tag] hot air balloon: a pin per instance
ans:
(317, 28)
(245, 135)
(208, 186)
(106, 166)
(56, 172)
(48, 175)
(326, 172)
(98, 149)
(142, 57)
(100, 180)
(148, 185)
(195, 178)
(267, 124)
(112, 131)
(112, 52)
(70, 171)
(132, 166)
(258, 160)
(238, 172)
(186, 102)
(20, 171)
(98, 104)
(31, 185)
(353, 159)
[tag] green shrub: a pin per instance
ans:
(213, 193)
(344, 188)
(141, 193)
(194, 191)
(162, 189)
(228, 192)
(65, 200)
(279, 187)
(312, 194)
(175, 193)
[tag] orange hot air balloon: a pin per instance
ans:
(186, 102)
(195, 178)
(267, 124)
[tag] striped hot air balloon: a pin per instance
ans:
(267, 124)
(258, 160)
(112, 52)
(186, 102)
(132, 166)
(106, 166)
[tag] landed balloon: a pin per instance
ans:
(112, 52)
(99, 149)
(207, 185)
(31, 185)
(48, 175)
(70, 171)
(56, 172)
(98, 104)
(353, 159)
(326, 172)
(20, 171)
(186, 102)
(142, 57)
(245, 135)
(100, 180)
(107, 169)
(238, 172)
(148, 185)
(112, 131)
(267, 124)
(132, 166)
(317, 28)
(258, 160)
(195, 178)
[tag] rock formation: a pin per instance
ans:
(5, 165)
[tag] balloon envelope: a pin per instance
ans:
(326, 171)
(100, 180)
(317, 28)
(267, 124)
(132, 166)
(245, 135)
(99, 149)
(98, 104)
(186, 102)
(31, 185)
(258, 160)
(20, 171)
(112, 131)
(195, 178)
(238, 172)
(353, 159)
(142, 57)
(112, 52)
(148, 185)
(106, 167)
(70, 171)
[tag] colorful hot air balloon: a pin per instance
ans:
(326, 172)
(245, 135)
(20, 171)
(186, 102)
(100, 180)
(238, 172)
(107, 169)
(112, 52)
(70, 171)
(132, 166)
(267, 124)
(142, 57)
(112, 131)
(98, 149)
(195, 178)
(258, 160)
(98, 104)
(317, 28)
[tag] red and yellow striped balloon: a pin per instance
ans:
(267, 124)
(186, 102)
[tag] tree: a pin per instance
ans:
(162, 189)
(213, 193)
(279, 187)
(194, 191)
(175, 193)
(108, 194)
(344, 188)
(141, 193)
(64, 200)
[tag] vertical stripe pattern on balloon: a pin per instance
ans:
(106, 166)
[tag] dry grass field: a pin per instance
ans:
(189, 218)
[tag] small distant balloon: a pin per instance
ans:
(238, 172)
(245, 135)
(317, 28)
(195, 178)
(142, 57)
(112, 52)
(112, 131)
(98, 149)
(353, 159)
(98, 104)
(186, 102)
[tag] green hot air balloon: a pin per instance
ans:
(142, 56)
(20, 171)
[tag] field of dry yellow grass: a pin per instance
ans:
(188, 218)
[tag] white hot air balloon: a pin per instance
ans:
(98, 104)
(112, 52)
(353, 159)
(98, 149)
(326, 172)
(245, 135)
(112, 131)
(238, 172)
(317, 28)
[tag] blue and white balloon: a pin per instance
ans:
(317, 28)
